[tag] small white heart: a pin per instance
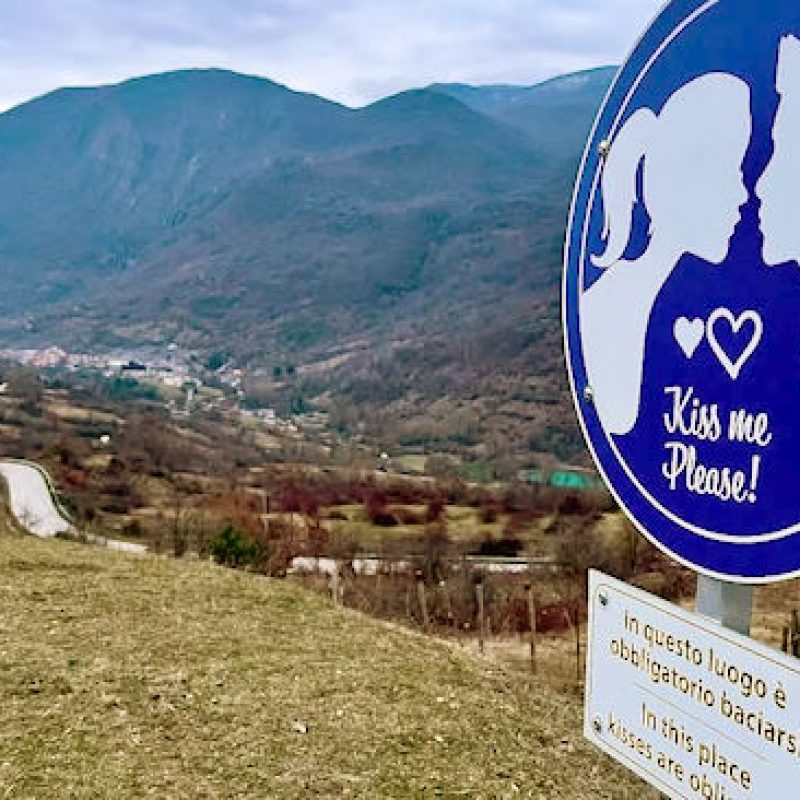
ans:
(689, 334)
(734, 368)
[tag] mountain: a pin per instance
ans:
(227, 212)
(557, 114)
(91, 179)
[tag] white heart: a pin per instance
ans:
(689, 334)
(734, 368)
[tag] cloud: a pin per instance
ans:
(349, 50)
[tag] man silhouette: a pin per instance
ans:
(777, 188)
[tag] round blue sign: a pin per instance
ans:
(682, 287)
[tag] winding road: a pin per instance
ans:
(36, 509)
(31, 501)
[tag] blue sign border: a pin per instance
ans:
(768, 560)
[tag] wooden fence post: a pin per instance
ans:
(481, 614)
(444, 586)
(578, 673)
(532, 620)
(337, 583)
(423, 601)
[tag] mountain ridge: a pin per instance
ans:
(223, 211)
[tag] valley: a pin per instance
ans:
(402, 260)
(295, 371)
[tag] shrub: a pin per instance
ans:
(407, 516)
(114, 505)
(377, 512)
(384, 519)
(233, 549)
(318, 538)
(436, 544)
(434, 511)
(507, 547)
(488, 515)
(515, 525)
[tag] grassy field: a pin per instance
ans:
(412, 464)
(463, 525)
(123, 677)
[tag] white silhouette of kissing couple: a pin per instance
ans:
(693, 188)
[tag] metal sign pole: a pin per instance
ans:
(729, 604)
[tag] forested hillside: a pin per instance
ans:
(397, 254)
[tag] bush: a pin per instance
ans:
(377, 512)
(233, 549)
(407, 516)
(507, 547)
(488, 515)
(516, 524)
(434, 511)
(114, 505)
(317, 540)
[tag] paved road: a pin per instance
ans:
(31, 502)
(33, 506)
(115, 544)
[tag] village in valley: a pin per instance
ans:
(181, 378)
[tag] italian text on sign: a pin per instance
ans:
(696, 710)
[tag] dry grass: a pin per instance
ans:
(72, 413)
(772, 608)
(125, 678)
(556, 652)
(556, 659)
(464, 525)
(414, 464)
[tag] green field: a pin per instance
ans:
(463, 525)
(125, 677)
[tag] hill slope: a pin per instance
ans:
(226, 212)
(557, 114)
(126, 677)
(91, 179)
(209, 202)
(203, 196)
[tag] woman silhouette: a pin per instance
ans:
(692, 186)
(777, 188)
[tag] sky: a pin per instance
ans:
(353, 51)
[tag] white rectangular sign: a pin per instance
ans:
(696, 710)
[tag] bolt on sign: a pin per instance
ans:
(682, 287)
(697, 711)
